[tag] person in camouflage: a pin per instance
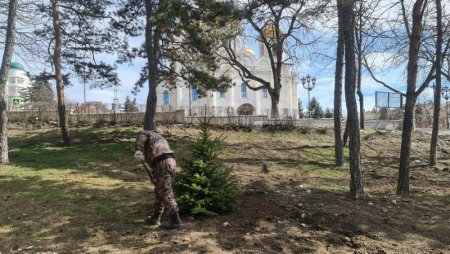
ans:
(155, 149)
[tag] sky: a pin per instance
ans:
(128, 75)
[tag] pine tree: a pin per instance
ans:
(130, 105)
(206, 186)
(328, 113)
(315, 109)
(301, 113)
(39, 98)
(76, 34)
(84, 36)
(4, 69)
(180, 40)
(39, 91)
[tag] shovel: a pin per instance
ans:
(149, 171)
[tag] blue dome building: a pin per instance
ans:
(18, 81)
(17, 66)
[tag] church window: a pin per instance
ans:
(12, 80)
(243, 90)
(194, 94)
(166, 97)
(222, 94)
(264, 92)
(19, 80)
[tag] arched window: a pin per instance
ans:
(222, 94)
(194, 94)
(243, 90)
(166, 98)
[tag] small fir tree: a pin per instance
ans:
(315, 109)
(328, 113)
(130, 105)
(301, 113)
(40, 91)
(206, 186)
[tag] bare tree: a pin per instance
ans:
(419, 53)
(356, 183)
(4, 69)
(76, 35)
(411, 95)
(437, 91)
(365, 34)
(279, 27)
(27, 45)
(338, 143)
(359, 48)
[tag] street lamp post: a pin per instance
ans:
(445, 92)
(308, 83)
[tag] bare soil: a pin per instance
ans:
(301, 205)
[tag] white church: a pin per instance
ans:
(239, 99)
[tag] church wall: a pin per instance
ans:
(229, 104)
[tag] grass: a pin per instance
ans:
(53, 196)
(442, 165)
(47, 189)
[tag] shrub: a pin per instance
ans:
(205, 186)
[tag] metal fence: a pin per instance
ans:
(96, 112)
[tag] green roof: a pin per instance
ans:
(17, 66)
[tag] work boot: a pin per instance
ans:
(154, 219)
(173, 223)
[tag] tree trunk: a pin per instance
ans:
(405, 152)
(274, 113)
(403, 176)
(4, 70)
(358, 87)
(58, 75)
(152, 38)
(338, 143)
(345, 138)
(360, 96)
(437, 91)
(356, 183)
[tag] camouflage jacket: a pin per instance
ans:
(151, 145)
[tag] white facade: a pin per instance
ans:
(239, 99)
(18, 80)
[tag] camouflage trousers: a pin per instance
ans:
(164, 173)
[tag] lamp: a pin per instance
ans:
(308, 83)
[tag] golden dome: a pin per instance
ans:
(248, 50)
(269, 29)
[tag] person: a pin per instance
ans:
(155, 150)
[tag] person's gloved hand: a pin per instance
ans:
(139, 156)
